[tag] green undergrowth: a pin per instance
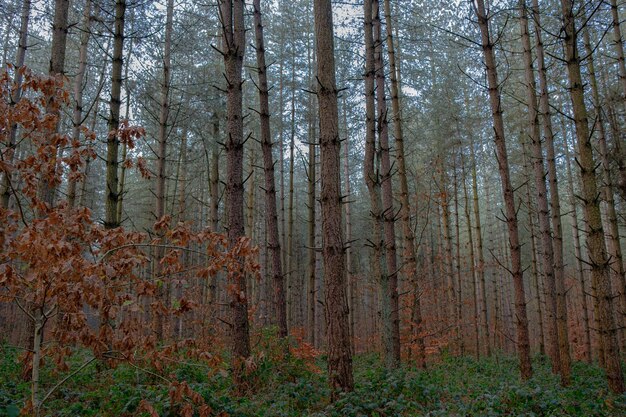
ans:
(280, 386)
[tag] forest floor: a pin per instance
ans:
(455, 386)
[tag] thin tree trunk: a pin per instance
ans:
(409, 255)
(543, 212)
(271, 216)
(111, 221)
(233, 25)
(595, 240)
(523, 345)
(77, 116)
(481, 256)
(578, 253)
(9, 153)
(612, 226)
(378, 262)
(471, 259)
(338, 331)
(386, 185)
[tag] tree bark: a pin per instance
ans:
(233, 26)
(271, 215)
(616, 263)
(336, 306)
(598, 261)
(386, 185)
(9, 154)
(543, 213)
(523, 345)
(111, 221)
(77, 116)
(409, 255)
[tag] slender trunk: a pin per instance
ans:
(111, 221)
(598, 261)
(523, 346)
(271, 216)
(77, 116)
(161, 155)
(378, 262)
(536, 279)
(337, 327)
(386, 185)
(578, 252)
(543, 212)
(409, 255)
(457, 259)
(233, 25)
(352, 289)
(9, 153)
(612, 226)
(50, 176)
(471, 260)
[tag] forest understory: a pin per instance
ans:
(297, 386)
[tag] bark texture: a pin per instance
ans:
(336, 305)
(523, 344)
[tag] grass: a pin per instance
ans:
(279, 387)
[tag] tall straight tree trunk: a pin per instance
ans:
(233, 26)
(409, 255)
(447, 259)
(578, 252)
(378, 261)
(457, 257)
(555, 203)
(337, 326)
(77, 115)
(481, 256)
(543, 212)
(612, 237)
(111, 221)
(271, 215)
(162, 290)
(523, 344)
(214, 176)
(386, 185)
(48, 183)
(471, 260)
(598, 261)
(352, 283)
(5, 186)
(534, 267)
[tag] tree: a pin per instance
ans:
(233, 31)
(111, 221)
(271, 216)
(336, 304)
(596, 248)
(523, 344)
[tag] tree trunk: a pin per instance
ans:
(233, 26)
(378, 263)
(577, 252)
(338, 331)
(50, 176)
(9, 153)
(595, 240)
(386, 185)
(612, 237)
(543, 213)
(271, 216)
(555, 203)
(77, 116)
(523, 345)
(409, 255)
(111, 221)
